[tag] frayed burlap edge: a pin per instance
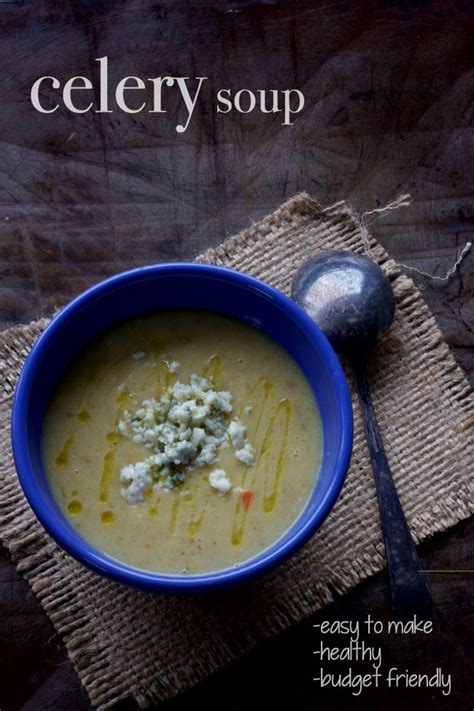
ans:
(77, 601)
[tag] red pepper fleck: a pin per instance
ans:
(246, 497)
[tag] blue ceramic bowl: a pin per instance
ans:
(169, 286)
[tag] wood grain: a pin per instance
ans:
(388, 90)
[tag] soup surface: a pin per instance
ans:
(187, 526)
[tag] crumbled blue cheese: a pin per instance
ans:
(139, 355)
(173, 365)
(219, 480)
(138, 479)
(237, 433)
(184, 430)
(122, 428)
(246, 454)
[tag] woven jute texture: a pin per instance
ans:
(126, 643)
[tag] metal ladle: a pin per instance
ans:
(352, 301)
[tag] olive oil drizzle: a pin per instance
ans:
(213, 369)
(62, 459)
(113, 438)
(83, 416)
(107, 517)
(154, 507)
(174, 515)
(108, 466)
(194, 525)
(74, 507)
(163, 377)
(266, 388)
(270, 498)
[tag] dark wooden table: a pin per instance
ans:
(388, 90)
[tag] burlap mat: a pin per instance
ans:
(126, 643)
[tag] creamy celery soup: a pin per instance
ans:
(182, 442)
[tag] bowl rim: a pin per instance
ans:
(101, 562)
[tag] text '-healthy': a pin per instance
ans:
(132, 95)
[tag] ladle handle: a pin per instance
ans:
(410, 593)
